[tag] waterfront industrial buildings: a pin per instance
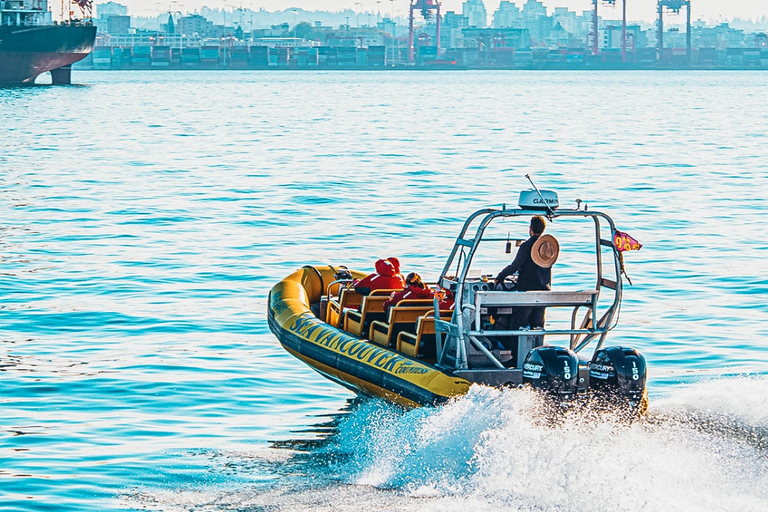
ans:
(515, 36)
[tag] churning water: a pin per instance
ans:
(146, 215)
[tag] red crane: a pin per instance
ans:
(623, 28)
(675, 6)
(425, 6)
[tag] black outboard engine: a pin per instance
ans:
(554, 370)
(617, 377)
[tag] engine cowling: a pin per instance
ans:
(554, 370)
(617, 375)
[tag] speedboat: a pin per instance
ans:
(416, 354)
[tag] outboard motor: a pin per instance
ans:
(554, 370)
(617, 377)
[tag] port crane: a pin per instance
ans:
(426, 7)
(674, 6)
(595, 30)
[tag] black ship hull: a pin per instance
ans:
(26, 52)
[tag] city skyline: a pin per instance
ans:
(637, 10)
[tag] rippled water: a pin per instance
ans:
(146, 215)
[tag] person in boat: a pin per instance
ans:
(533, 265)
(414, 289)
(447, 301)
(396, 264)
(386, 277)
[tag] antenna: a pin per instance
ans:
(551, 211)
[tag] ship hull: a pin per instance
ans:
(26, 52)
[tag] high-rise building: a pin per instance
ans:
(453, 20)
(507, 15)
(194, 24)
(474, 10)
(110, 9)
(533, 10)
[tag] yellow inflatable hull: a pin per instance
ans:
(355, 363)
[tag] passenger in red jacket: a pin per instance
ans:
(414, 289)
(447, 302)
(385, 278)
(395, 263)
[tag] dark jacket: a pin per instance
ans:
(530, 275)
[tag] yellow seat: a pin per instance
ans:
(348, 299)
(402, 317)
(371, 308)
(421, 344)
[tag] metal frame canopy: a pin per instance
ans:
(473, 294)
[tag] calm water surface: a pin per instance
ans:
(145, 217)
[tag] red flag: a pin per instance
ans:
(624, 242)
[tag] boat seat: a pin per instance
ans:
(401, 317)
(371, 308)
(348, 299)
(421, 345)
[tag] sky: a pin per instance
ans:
(637, 10)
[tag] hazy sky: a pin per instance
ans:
(644, 10)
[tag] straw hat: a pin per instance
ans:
(545, 251)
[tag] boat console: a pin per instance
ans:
(478, 343)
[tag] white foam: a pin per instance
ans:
(490, 449)
(704, 447)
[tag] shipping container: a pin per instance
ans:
(377, 56)
(346, 57)
(209, 57)
(161, 56)
(102, 57)
(142, 56)
(259, 57)
(190, 58)
(238, 57)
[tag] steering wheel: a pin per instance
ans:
(507, 285)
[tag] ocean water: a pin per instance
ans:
(146, 215)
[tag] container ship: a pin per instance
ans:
(32, 44)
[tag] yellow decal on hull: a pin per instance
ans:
(309, 329)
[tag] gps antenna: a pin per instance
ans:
(551, 211)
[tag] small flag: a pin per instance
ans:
(624, 242)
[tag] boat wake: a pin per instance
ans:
(704, 447)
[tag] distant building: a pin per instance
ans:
(571, 22)
(194, 24)
(451, 35)
(387, 25)
(110, 9)
(286, 42)
(537, 22)
(490, 38)
(533, 10)
(475, 12)
(118, 25)
(273, 31)
(453, 20)
(611, 39)
(507, 15)
(103, 12)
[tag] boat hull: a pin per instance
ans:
(27, 52)
(355, 363)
